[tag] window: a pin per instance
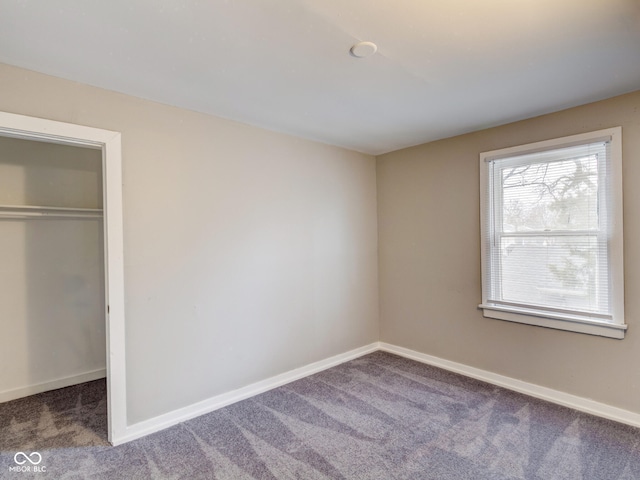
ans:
(551, 219)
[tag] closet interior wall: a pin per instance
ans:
(51, 267)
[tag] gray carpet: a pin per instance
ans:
(377, 417)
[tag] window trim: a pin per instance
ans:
(555, 318)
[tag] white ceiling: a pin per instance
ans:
(443, 67)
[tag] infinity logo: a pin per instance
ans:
(26, 457)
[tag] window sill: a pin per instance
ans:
(571, 323)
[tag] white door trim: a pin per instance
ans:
(109, 142)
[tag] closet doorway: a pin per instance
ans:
(62, 260)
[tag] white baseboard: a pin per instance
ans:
(565, 399)
(52, 385)
(169, 419)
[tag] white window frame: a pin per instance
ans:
(613, 327)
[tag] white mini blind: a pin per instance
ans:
(547, 224)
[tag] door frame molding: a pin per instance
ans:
(109, 142)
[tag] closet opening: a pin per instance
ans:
(61, 277)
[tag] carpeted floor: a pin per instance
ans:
(377, 417)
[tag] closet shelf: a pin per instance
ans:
(34, 211)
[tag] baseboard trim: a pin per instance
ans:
(16, 393)
(554, 396)
(169, 419)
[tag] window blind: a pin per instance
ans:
(546, 238)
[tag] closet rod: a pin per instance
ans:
(33, 211)
(25, 215)
(52, 209)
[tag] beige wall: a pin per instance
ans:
(247, 253)
(428, 217)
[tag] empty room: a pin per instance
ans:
(304, 239)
